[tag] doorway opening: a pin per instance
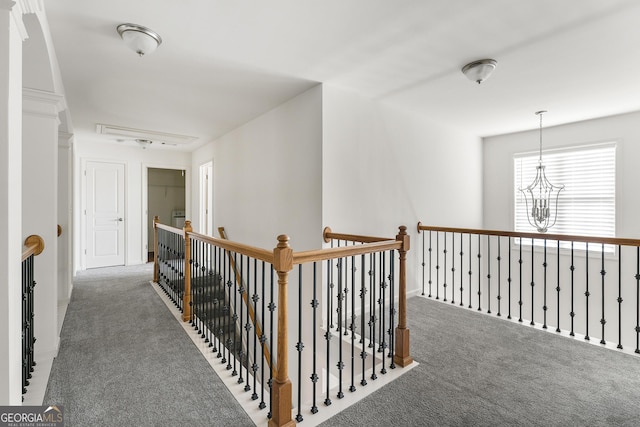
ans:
(166, 198)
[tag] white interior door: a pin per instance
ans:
(105, 214)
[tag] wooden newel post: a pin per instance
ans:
(186, 298)
(402, 356)
(156, 220)
(281, 387)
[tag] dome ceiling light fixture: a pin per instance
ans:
(140, 39)
(479, 71)
(144, 143)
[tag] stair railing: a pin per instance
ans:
(33, 246)
(575, 285)
(221, 282)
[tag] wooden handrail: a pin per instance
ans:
(252, 251)
(538, 236)
(328, 235)
(345, 251)
(252, 315)
(169, 228)
(33, 245)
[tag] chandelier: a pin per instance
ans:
(541, 196)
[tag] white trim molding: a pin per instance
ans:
(42, 103)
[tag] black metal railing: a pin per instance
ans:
(170, 261)
(34, 245)
(236, 297)
(582, 285)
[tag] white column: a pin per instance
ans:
(40, 210)
(12, 34)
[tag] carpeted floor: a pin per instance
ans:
(476, 370)
(125, 361)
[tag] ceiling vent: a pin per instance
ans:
(140, 134)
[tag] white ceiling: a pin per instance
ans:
(223, 62)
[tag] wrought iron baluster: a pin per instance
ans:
(587, 294)
(423, 263)
(602, 273)
(619, 297)
(345, 306)
(340, 364)
(373, 319)
(444, 255)
(263, 340)
(453, 268)
(544, 291)
(499, 259)
(248, 326)
(461, 273)
(314, 373)
(509, 280)
(392, 309)
(533, 283)
(299, 345)
(572, 313)
(437, 265)
(470, 271)
(558, 288)
(430, 263)
(353, 325)
(363, 293)
(489, 274)
(637, 300)
(272, 308)
(479, 273)
(327, 335)
(520, 272)
(255, 299)
(383, 341)
(234, 319)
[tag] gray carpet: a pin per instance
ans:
(477, 370)
(125, 361)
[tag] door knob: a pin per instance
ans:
(120, 219)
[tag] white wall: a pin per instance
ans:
(136, 161)
(384, 167)
(267, 176)
(498, 166)
(40, 208)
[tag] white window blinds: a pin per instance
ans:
(587, 205)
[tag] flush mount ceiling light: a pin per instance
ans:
(479, 71)
(144, 143)
(140, 39)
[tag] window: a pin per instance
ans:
(586, 206)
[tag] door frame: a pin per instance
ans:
(83, 206)
(208, 214)
(144, 207)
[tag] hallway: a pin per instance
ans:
(125, 361)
